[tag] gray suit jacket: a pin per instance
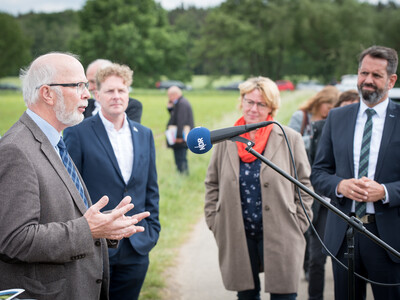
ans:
(46, 246)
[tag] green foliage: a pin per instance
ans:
(14, 46)
(276, 38)
(330, 36)
(50, 31)
(388, 20)
(136, 33)
(190, 21)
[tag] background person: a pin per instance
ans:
(117, 156)
(360, 174)
(51, 244)
(317, 257)
(181, 119)
(255, 214)
(134, 109)
(314, 109)
(348, 97)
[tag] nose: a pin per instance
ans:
(86, 94)
(369, 79)
(115, 94)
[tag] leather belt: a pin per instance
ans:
(366, 219)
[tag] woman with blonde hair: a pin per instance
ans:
(254, 213)
(315, 109)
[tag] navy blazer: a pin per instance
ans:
(334, 161)
(90, 149)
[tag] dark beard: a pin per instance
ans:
(372, 97)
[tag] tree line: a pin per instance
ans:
(276, 38)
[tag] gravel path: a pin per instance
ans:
(196, 275)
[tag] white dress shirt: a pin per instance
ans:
(121, 142)
(97, 107)
(378, 121)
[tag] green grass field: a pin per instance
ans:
(181, 197)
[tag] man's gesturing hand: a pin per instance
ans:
(113, 225)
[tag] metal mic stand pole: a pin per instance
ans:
(352, 221)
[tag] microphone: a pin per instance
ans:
(200, 139)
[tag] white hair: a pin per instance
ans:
(100, 63)
(36, 75)
(32, 78)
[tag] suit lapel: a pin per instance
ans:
(388, 128)
(101, 133)
(137, 152)
(233, 157)
(55, 160)
(273, 144)
(348, 134)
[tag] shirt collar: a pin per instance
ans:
(110, 126)
(380, 108)
(51, 133)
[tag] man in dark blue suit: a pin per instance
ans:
(336, 174)
(116, 157)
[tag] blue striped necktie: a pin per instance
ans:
(361, 207)
(71, 170)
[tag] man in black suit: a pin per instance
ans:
(353, 174)
(134, 109)
(180, 122)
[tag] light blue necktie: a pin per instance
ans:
(361, 207)
(71, 170)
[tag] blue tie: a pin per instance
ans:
(71, 170)
(361, 207)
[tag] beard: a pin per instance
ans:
(62, 115)
(372, 97)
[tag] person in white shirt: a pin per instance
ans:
(134, 109)
(116, 154)
(357, 167)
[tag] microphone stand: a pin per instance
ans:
(352, 221)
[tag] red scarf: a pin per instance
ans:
(261, 139)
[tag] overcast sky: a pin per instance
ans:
(24, 6)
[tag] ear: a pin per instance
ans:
(47, 95)
(392, 80)
(96, 95)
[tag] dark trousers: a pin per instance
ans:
(316, 264)
(180, 159)
(372, 262)
(127, 272)
(256, 252)
(306, 254)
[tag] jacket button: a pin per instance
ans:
(97, 243)
(266, 207)
(99, 281)
(266, 184)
